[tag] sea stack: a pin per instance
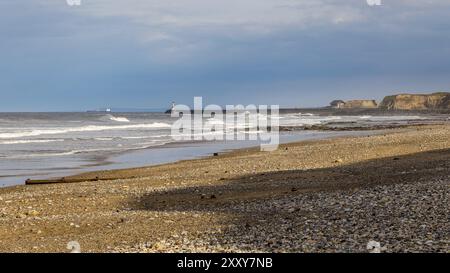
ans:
(354, 104)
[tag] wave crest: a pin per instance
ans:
(88, 128)
(117, 119)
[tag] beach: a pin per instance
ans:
(45, 145)
(330, 195)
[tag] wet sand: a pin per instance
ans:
(331, 195)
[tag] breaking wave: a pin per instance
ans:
(118, 119)
(30, 141)
(89, 128)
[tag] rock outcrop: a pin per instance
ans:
(337, 104)
(360, 104)
(433, 101)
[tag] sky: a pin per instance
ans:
(148, 53)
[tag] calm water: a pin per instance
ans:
(39, 145)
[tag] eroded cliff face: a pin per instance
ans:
(417, 102)
(360, 104)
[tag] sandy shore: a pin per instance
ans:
(330, 195)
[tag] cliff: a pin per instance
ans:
(360, 104)
(417, 101)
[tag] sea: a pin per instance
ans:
(51, 145)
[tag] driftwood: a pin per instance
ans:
(64, 180)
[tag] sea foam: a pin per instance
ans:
(118, 119)
(30, 141)
(89, 128)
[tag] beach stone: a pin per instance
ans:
(32, 213)
(21, 216)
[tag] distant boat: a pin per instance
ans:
(107, 110)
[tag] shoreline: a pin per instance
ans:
(234, 151)
(331, 195)
(339, 134)
(185, 151)
(71, 160)
(223, 152)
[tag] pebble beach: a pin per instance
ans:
(332, 195)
